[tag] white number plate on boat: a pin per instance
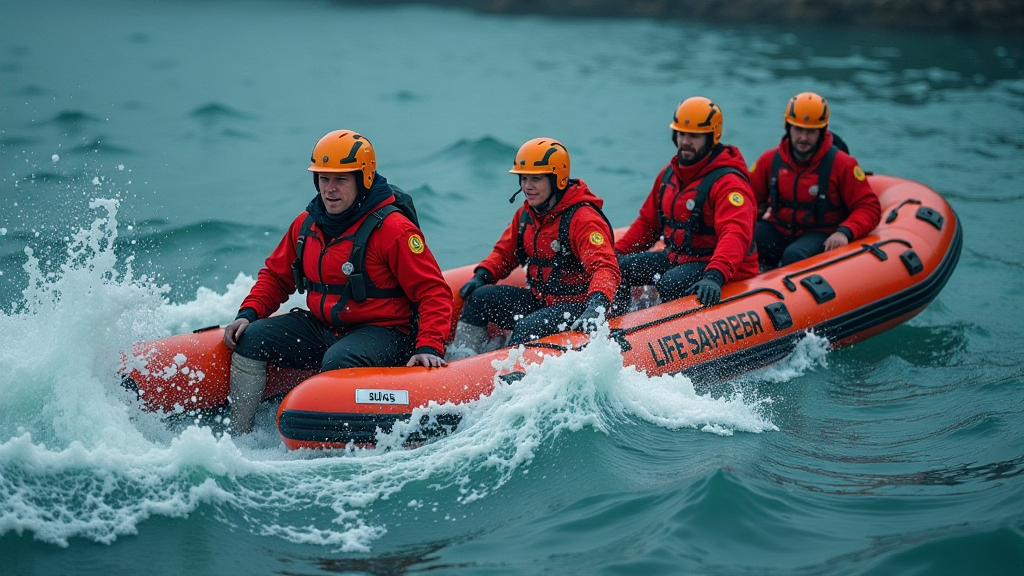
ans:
(364, 396)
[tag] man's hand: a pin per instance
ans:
(596, 304)
(233, 331)
(836, 240)
(428, 360)
(481, 277)
(709, 288)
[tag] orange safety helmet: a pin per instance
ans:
(543, 156)
(807, 110)
(344, 151)
(698, 114)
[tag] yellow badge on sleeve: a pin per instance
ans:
(736, 199)
(596, 238)
(858, 173)
(416, 244)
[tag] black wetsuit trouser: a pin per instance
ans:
(300, 340)
(655, 269)
(517, 309)
(775, 249)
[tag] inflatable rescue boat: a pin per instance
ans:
(844, 295)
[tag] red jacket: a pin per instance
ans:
(855, 209)
(729, 215)
(395, 256)
(590, 239)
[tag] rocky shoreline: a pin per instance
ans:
(960, 16)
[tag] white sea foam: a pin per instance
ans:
(811, 352)
(80, 458)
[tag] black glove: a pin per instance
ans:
(590, 314)
(481, 277)
(709, 288)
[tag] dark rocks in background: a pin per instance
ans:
(969, 16)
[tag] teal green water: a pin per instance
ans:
(152, 154)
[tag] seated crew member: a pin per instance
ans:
(813, 194)
(702, 204)
(565, 242)
(362, 303)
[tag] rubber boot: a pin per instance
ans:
(469, 340)
(248, 380)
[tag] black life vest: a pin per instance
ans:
(562, 263)
(358, 286)
(695, 224)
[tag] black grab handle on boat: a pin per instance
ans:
(893, 214)
(787, 280)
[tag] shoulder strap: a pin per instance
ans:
(666, 177)
(821, 202)
(840, 143)
(704, 188)
(524, 221)
(403, 201)
(773, 181)
(817, 207)
(563, 262)
(564, 242)
(304, 231)
(695, 224)
(563, 225)
(360, 284)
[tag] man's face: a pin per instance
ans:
(803, 140)
(692, 146)
(537, 188)
(338, 190)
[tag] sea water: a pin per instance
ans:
(152, 155)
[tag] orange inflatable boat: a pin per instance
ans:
(844, 295)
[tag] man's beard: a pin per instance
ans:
(697, 157)
(804, 157)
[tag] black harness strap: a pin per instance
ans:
(815, 208)
(563, 262)
(695, 224)
(822, 203)
(304, 232)
(358, 286)
(524, 220)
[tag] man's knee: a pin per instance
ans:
(368, 347)
(344, 357)
(676, 281)
(474, 310)
(640, 268)
(253, 341)
(804, 247)
(530, 327)
(670, 290)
